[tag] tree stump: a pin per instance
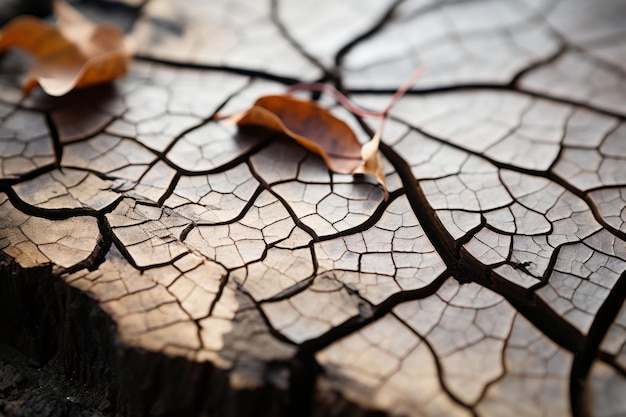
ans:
(181, 266)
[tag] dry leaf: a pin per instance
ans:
(319, 131)
(76, 53)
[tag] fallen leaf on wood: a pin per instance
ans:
(76, 53)
(310, 125)
(319, 131)
(315, 128)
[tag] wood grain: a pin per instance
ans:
(227, 272)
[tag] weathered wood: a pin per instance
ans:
(182, 266)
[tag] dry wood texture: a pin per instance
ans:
(190, 267)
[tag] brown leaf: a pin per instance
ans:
(319, 131)
(76, 53)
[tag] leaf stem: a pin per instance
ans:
(402, 90)
(348, 104)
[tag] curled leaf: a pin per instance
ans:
(75, 53)
(315, 128)
(319, 131)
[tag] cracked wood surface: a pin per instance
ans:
(491, 283)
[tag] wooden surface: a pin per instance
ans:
(240, 277)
